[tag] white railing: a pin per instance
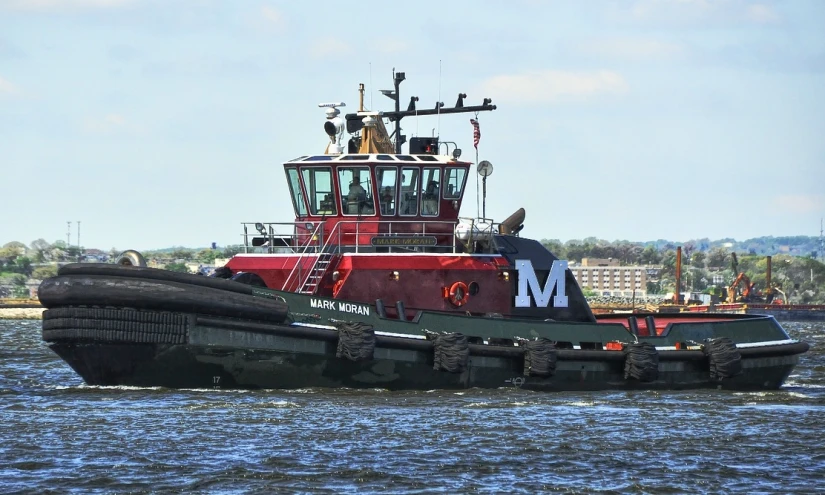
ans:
(338, 239)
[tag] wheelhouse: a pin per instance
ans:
(381, 186)
(360, 196)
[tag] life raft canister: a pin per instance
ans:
(458, 294)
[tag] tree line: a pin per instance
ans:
(704, 266)
(704, 269)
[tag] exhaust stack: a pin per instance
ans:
(678, 275)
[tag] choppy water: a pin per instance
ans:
(59, 436)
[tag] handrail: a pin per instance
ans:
(318, 230)
(322, 252)
(320, 242)
(270, 235)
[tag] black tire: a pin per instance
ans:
(137, 293)
(130, 258)
(110, 270)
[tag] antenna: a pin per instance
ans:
(354, 121)
(821, 242)
(68, 234)
(416, 119)
(478, 208)
(371, 107)
(438, 104)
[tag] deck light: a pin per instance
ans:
(260, 228)
(393, 275)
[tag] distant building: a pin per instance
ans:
(607, 277)
(194, 266)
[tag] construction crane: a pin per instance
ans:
(748, 292)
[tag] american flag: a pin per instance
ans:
(476, 132)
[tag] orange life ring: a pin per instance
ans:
(459, 294)
(337, 287)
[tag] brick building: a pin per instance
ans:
(608, 278)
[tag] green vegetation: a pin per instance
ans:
(709, 266)
(706, 265)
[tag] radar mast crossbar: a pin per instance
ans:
(354, 121)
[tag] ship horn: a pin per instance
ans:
(514, 223)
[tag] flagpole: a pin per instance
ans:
(476, 139)
(478, 208)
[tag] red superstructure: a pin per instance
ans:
(372, 223)
(380, 226)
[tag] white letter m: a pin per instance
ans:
(527, 276)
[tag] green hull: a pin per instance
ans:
(135, 343)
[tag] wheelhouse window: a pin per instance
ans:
(387, 178)
(454, 182)
(318, 183)
(430, 191)
(408, 198)
(356, 190)
(296, 192)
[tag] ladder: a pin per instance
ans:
(316, 273)
(309, 285)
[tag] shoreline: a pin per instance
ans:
(21, 313)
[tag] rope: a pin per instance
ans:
(452, 352)
(539, 357)
(724, 358)
(641, 362)
(356, 341)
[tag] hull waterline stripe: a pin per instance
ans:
(575, 346)
(377, 332)
(767, 343)
(377, 255)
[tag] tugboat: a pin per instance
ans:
(379, 283)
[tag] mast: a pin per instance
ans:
(397, 78)
(355, 121)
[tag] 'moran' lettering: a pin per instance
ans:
(342, 306)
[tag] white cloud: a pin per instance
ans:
(7, 87)
(761, 14)
(631, 49)
(273, 17)
(700, 11)
(800, 203)
(391, 46)
(329, 47)
(552, 86)
(62, 5)
(105, 125)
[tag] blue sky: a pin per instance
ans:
(161, 123)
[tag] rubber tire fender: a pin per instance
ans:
(130, 257)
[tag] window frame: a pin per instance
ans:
(379, 186)
(423, 189)
(460, 192)
(301, 194)
(332, 183)
(414, 189)
(369, 200)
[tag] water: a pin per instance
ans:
(59, 436)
